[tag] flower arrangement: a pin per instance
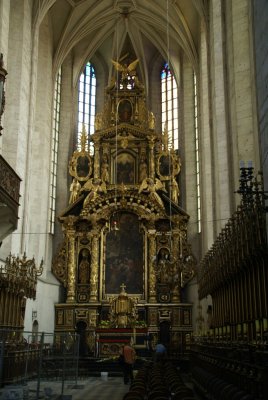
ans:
(104, 323)
(140, 324)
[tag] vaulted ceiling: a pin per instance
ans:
(123, 29)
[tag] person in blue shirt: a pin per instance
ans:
(160, 352)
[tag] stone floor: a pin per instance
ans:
(92, 388)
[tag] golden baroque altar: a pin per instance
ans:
(123, 225)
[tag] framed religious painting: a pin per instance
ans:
(125, 112)
(80, 166)
(124, 256)
(167, 165)
(124, 168)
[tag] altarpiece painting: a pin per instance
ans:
(124, 256)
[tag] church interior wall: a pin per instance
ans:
(15, 142)
(46, 296)
(154, 95)
(245, 125)
(205, 142)
(260, 27)
(4, 30)
(228, 130)
(40, 150)
(221, 168)
(66, 142)
(188, 156)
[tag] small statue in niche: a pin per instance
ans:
(84, 267)
(142, 168)
(105, 169)
(98, 122)
(74, 189)
(163, 265)
(151, 120)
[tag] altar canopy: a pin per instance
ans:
(124, 225)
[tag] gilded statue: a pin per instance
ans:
(74, 189)
(126, 69)
(166, 268)
(84, 267)
(105, 169)
(94, 186)
(151, 120)
(151, 186)
(174, 190)
(165, 138)
(98, 122)
(142, 168)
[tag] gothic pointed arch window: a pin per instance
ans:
(87, 102)
(169, 102)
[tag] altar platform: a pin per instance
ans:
(110, 340)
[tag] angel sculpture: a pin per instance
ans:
(94, 186)
(151, 186)
(126, 69)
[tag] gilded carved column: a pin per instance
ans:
(152, 166)
(97, 159)
(175, 294)
(94, 276)
(71, 266)
(152, 254)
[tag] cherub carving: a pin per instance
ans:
(126, 69)
(151, 186)
(94, 186)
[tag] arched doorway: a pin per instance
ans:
(81, 327)
(35, 328)
(164, 333)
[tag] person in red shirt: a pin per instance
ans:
(129, 355)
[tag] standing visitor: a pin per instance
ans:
(160, 352)
(129, 355)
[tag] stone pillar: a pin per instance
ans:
(152, 277)
(94, 267)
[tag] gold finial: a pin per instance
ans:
(83, 139)
(123, 287)
(165, 137)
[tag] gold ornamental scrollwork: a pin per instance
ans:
(94, 267)
(168, 165)
(71, 284)
(80, 166)
(152, 275)
(59, 264)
